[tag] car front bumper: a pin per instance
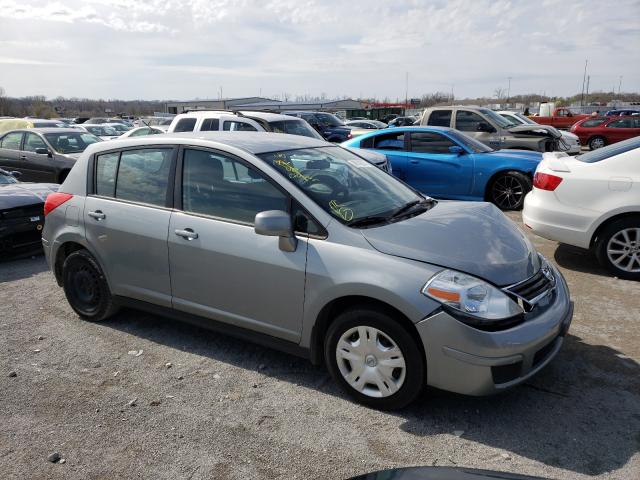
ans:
(466, 360)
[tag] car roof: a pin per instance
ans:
(251, 142)
(47, 130)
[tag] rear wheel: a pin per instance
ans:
(374, 359)
(86, 288)
(507, 190)
(618, 248)
(597, 142)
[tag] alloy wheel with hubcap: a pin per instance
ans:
(596, 142)
(370, 361)
(508, 190)
(623, 250)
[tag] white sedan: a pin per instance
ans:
(143, 131)
(571, 140)
(591, 201)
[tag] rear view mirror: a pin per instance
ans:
(276, 223)
(42, 151)
(456, 150)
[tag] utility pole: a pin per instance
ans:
(587, 94)
(452, 94)
(619, 85)
(584, 76)
(508, 90)
(406, 93)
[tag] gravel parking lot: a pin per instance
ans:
(140, 396)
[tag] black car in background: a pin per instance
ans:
(403, 121)
(21, 214)
(328, 125)
(43, 154)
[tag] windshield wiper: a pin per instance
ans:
(370, 220)
(409, 206)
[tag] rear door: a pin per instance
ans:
(41, 165)
(621, 129)
(126, 219)
(439, 118)
(434, 170)
(393, 144)
(10, 155)
(237, 124)
(220, 268)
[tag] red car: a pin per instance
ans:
(601, 131)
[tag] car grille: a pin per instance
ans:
(530, 291)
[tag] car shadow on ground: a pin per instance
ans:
(21, 266)
(580, 413)
(579, 260)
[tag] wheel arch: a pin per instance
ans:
(608, 221)
(505, 169)
(62, 253)
(338, 305)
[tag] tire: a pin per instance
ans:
(507, 190)
(618, 248)
(597, 142)
(86, 288)
(401, 381)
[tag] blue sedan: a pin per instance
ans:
(445, 163)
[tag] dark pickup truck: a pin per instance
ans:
(328, 125)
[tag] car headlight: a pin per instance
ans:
(479, 303)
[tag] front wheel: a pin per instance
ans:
(374, 359)
(507, 191)
(86, 288)
(618, 248)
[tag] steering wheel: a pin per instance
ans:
(326, 186)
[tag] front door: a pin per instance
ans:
(222, 269)
(470, 123)
(40, 165)
(127, 218)
(434, 170)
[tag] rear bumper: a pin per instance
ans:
(549, 218)
(18, 236)
(465, 360)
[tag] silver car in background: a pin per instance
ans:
(302, 245)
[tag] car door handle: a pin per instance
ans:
(23, 157)
(98, 215)
(187, 233)
(414, 162)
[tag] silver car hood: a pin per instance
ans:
(472, 237)
(542, 130)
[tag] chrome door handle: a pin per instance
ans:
(23, 157)
(187, 233)
(98, 215)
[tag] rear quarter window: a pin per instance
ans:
(185, 125)
(592, 123)
(440, 118)
(610, 151)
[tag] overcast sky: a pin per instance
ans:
(183, 49)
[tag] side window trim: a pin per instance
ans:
(91, 180)
(177, 189)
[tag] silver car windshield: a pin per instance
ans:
(343, 184)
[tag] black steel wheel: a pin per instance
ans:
(85, 287)
(507, 191)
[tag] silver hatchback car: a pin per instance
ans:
(302, 245)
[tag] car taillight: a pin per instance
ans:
(54, 200)
(545, 181)
(349, 136)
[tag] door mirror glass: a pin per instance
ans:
(42, 151)
(485, 127)
(456, 150)
(276, 223)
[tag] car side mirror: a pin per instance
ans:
(485, 127)
(456, 150)
(15, 174)
(276, 223)
(43, 151)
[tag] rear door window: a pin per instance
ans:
(106, 169)
(592, 123)
(440, 118)
(11, 141)
(622, 123)
(185, 125)
(389, 141)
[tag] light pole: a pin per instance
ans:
(619, 85)
(508, 90)
(584, 77)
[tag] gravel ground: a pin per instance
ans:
(140, 396)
